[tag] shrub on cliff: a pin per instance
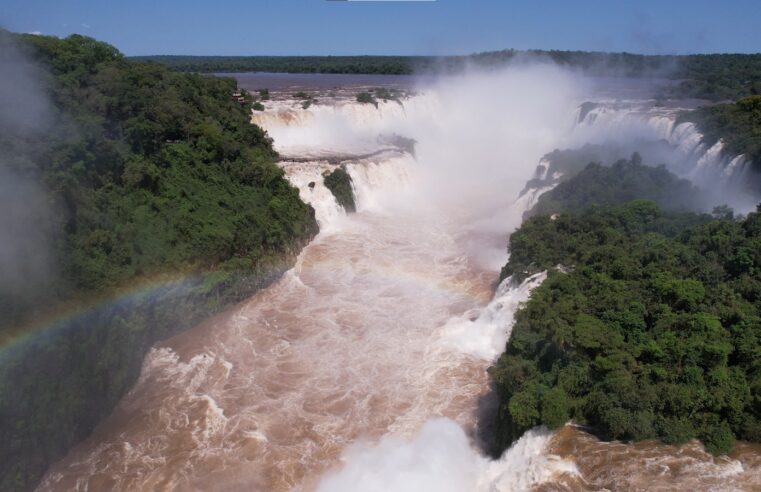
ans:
(367, 98)
(339, 183)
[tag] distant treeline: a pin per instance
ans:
(714, 77)
(391, 65)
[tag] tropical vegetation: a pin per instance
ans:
(621, 182)
(648, 325)
(147, 178)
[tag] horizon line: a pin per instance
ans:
(528, 50)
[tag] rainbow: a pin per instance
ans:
(67, 313)
(420, 279)
(64, 315)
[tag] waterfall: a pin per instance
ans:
(372, 179)
(329, 129)
(484, 335)
(441, 459)
(727, 177)
(308, 178)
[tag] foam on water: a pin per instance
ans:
(374, 179)
(326, 129)
(309, 178)
(484, 335)
(648, 465)
(374, 182)
(441, 458)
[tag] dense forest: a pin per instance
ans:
(713, 77)
(152, 170)
(718, 77)
(387, 65)
(647, 326)
(141, 174)
(619, 183)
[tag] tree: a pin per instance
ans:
(367, 98)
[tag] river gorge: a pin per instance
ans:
(364, 366)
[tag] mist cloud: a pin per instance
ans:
(25, 212)
(25, 106)
(440, 458)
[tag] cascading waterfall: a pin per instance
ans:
(395, 172)
(370, 179)
(707, 166)
(343, 128)
(364, 366)
(350, 128)
(308, 178)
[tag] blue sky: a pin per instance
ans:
(318, 27)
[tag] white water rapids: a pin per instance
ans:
(363, 367)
